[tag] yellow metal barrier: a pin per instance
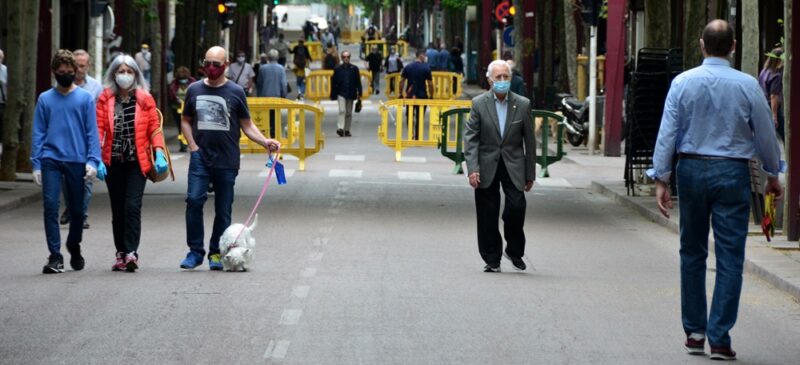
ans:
(583, 75)
(446, 85)
(318, 85)
(290, 127)
(402, 48)
(403, 133)
(314, 48)
(380, 43)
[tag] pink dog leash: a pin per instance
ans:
(260, 196)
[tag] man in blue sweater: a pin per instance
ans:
(65, 148)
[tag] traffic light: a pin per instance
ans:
(276, 2)
(590, 11)
(225, 10)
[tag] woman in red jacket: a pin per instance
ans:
(126, 122)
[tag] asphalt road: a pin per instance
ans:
(364, 260)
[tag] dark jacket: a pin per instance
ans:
(518, 84)
(346, 82)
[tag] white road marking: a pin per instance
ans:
(412, 175)
(300, 291)
(553, 182)
(290, 158)
(316, 256)
(345, 173)
(349, 158)
(277, 349)
(413, 159)
(290, 317)
(176, 157)
(308, 272)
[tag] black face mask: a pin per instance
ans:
(65, 80)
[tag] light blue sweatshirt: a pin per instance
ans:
(65, 128)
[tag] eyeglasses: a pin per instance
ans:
(346, 57)
(214, 63)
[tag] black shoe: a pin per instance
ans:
(519, 264)
(76, 260)
(340, 132)
(86, 223)
(490, 268)
(54, 266)
(64, 218)
(347, 134)
(182, 147)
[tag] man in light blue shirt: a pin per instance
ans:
(716, 119)
(271, 82)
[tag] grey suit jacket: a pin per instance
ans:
(483, 145)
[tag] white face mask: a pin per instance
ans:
(124, 80)
(240, 59)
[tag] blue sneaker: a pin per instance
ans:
(192, 260)
(214, 262)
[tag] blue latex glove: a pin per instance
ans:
(161, 162)
(101, 171)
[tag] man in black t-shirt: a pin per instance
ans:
(416, 82)
(215, 110)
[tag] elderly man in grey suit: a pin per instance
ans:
(500, 149)
(271, 82)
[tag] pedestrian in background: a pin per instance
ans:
(282, 47)
(374, 63)
(345, 88)
(416, 82)
(432, 57)
(128, 125)
(771, 81)
(3, 92)
(716, 119)
(214, 113)
(177, 97)
(517, 82)
(456, 65)
(302, 59)
(272, 83)
(393, 66)
(242, 73)
(500, 150)
(331, 59)
(88, 83)
(64, 153)
(143, 59)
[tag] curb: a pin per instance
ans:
(17, 194)
(760, 260)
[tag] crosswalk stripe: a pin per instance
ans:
(345, 173)
(413, 175)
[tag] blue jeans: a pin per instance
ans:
(199, 177)
(71, 174)
(301, 85)
(719, 190)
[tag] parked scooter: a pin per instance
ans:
(576, 118)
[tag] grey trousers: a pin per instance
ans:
(345, 113)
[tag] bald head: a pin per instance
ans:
(718, 39)
(216, 53)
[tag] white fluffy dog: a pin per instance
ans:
(237, 253)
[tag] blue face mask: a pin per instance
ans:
(501, 87)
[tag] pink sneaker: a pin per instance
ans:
(119, 264)
(131, 262)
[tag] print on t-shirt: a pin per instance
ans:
(212, 113)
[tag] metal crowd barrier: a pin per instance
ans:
(290, 127)
(318, 85)
(314, 48)
(402, 132)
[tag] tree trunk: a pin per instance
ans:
(695, 21)
(23, 26)
(749, 46)
(570, 45)
(657, 21)
(544, 40)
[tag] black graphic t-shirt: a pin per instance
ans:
(215, 113)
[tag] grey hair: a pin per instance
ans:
(138, 79)
(494, 64)
(81, 52)
(273, 54)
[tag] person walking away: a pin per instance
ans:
(143, 58)
(177, 97)
(771, 81)
(302, 59)
(393, 66)
(242, 73)
(716, 119)
(331, 59)
(128, 125)
(64, 152)
(272, 83)
(214, 113)
(457, 66)
(416, 82)
(432, 57)
(283, 49)
(88, 83)
(500, 150)
(374, 63)
(327, 39)
(345, 88)
(443, 58)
